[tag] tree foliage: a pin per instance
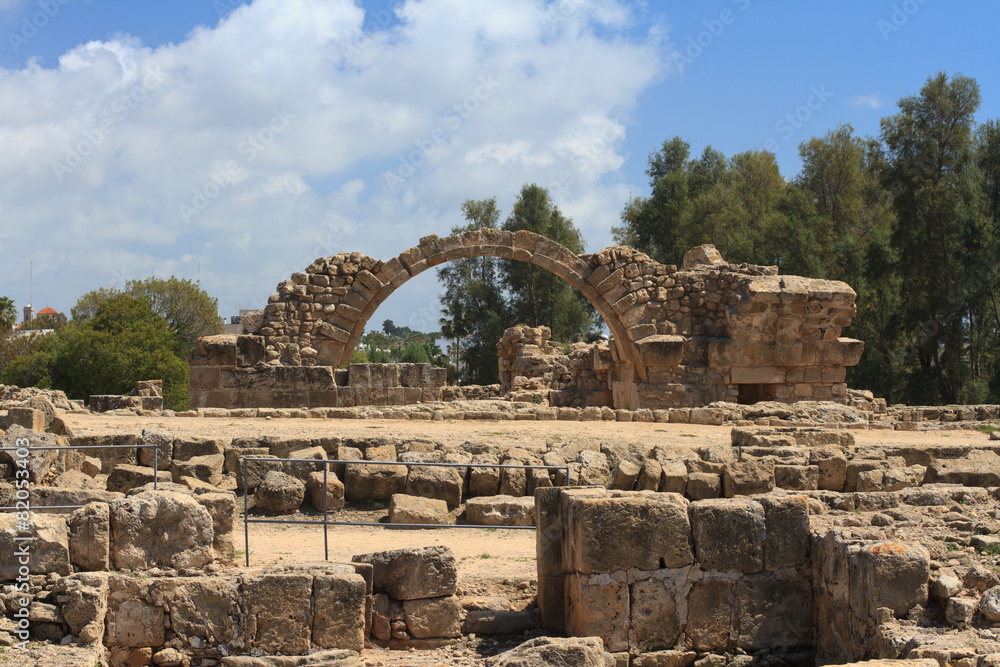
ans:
(8, 314)
(910, 219)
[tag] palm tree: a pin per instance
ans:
(8, 314)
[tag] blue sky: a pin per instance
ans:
(238, 141)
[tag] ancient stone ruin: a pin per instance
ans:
(680, 337)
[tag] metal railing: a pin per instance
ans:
(28, 450)
(326, 516)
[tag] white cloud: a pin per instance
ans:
(289, 131)
(872, 101)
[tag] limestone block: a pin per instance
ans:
(484, 481)
(649, 476)
(414, 509)
(413, 573)
(86, 605)
(164, 445)
(638, 529)
(434, 617)
(75, 479)
(434, 482)
(577, 651)
(665, 659)
(775, 609)
(653, 609)
(339, 611)
(256, 470)
(186, 449)
(745, 478)
(674, 477)
(280, 492)
(160, 529)
(703, 485)
(796, 478)
(729, 534)
(39, 461)
(787, 525)
(711, 606)
(206, 468)
(221, 507)
(500, 511)
(203, 610)
(134, 623)
(624, 476)
(124, 478)
(48, 550)
(832, 464)
(301, 470)
(373, 482)
(887, 574)
(277, 621)
(978, 468)
(334, 491)
(597, 605)
(90, 538)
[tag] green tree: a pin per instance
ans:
(538, 297)
(474, 308)
(123, 343)
(929, 153)
(8, 315)
(189, 311)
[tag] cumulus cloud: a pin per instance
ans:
(299, 128)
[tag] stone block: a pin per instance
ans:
(436, 482)
(90, 538)
(787, 525)
(203, 610)
(832, 464)
(729, 534)
(653, 610)
(434, 617)
(48, 550)
(277, 621)
(703, 485)
(796, 478)
(638, 529)
(413, 573)
(674, 477)
(597, 605)
(576, 651)
(775, 609)
(160, 529)
(338, 619)
(256, 470)
(280, 492)
(334, 492)
(134, 623)
(500, 511)
(745, 478)
(86, 605)
(711, 605)
(891, 575)
(124, 478)
(164, 443)
(221, 507)
(186, 449)
(206, 468)
(373, 482)
(414, 509)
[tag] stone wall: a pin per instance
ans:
(225, 372)
(651, 571)
(709, 331)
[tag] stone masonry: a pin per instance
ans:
(680, 337)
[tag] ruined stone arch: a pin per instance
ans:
(318, 316)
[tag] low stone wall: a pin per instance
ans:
(648, 571)
(227, 372)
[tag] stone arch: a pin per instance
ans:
(341, 293)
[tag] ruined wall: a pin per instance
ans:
(649, 571)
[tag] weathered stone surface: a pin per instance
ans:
(86, 605)
(38, 461)
(207, 468)
(279, 492)
(328, 658)
(978, 468)
(373, 482)
(832, 464)
(787, 527)
(164, 449)
(203, 610)
(277, 621)
(90, 538)
(221, 507)
(339, 611)
(500, 511)
(75, 479)
(498, 621)
(703, 485)
(413, 573)
(747, 478)
(597, 605)
(552, 651)
(185, 449)
(665, 659)
(889, 575)
(796, 478)
(124, 478)
(653, 609)
(729, 534)
(160, 529)
(642, 529)
(49, 546)
(989, 604)
(334, 491)
(434, 617)
(775, 609)
(483, 481)
(414, 509)
(711, 605)
(434, 482)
